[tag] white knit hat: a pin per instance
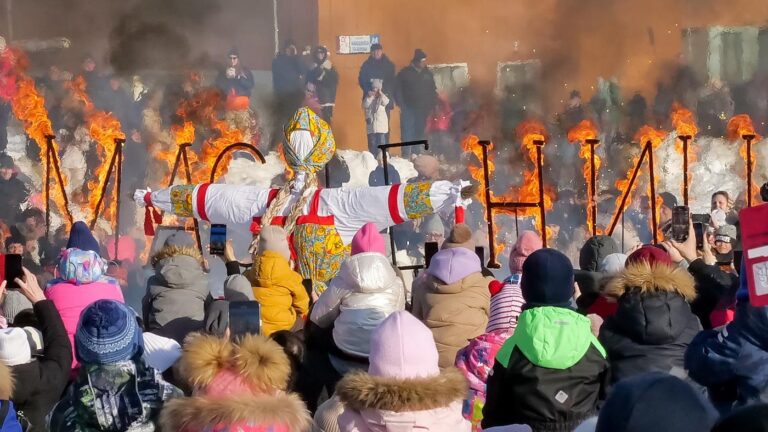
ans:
(14, 347)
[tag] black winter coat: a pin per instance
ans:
(287, 75)
(382, 69)
(714, 287)
(653, 325)
(416, 89)
(326, 82)
(41, 383)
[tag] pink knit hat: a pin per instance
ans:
(528, 243)
(368, 239)
(402, 347)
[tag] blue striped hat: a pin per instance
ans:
(107, 333)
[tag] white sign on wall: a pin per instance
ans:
(357, 44)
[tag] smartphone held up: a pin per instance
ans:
(681, 218)
(218, 239)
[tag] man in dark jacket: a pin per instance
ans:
(13, 190)
(653, 324)
(326, 80)
(416, 95)
(735, 356)
(41, 382)
(288, 74)
(378, 66)
(552, 371)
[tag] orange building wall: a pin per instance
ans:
(577, 41)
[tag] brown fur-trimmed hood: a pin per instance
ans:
(259, 359)
(205, 413)
(172, 251)
(645, 278)
(6, 382)
(360, 391)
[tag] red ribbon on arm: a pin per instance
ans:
(150, 215)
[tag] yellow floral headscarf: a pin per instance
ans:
(322, 136)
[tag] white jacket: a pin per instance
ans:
(375, 109)
(364, 292)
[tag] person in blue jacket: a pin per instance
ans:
(732, 361)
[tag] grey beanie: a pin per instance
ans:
(14, 303)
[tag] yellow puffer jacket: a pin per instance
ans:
(279, 291)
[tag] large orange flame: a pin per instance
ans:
(587, 130)
(529, 132)
(182, 134)
(685, 124)
(739, 126)
(470, 144)
(29, 107)
(104, 128)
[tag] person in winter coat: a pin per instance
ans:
(734, 357)
(655, 402)
(278, 289)
(376, 117)
(236, 83)
(552, 371)
(453, 300)
(80, 280)
(416, 95)
(13, 190)
(714, 305)
(42, 379)
(174, 304)
(507, 304)
(753, 418)
(378, 67)
(476, 360)
(288, 74)
(114, 389)
(364, 292)
(653, 324)
(589, 276)
(237, 386)
(326, 80)
(404, 388)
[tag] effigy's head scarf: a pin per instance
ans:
(308, 153)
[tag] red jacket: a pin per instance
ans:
(7, 75)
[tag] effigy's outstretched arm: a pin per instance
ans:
(390, 205)
(217, 203)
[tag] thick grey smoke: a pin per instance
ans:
(155, 35)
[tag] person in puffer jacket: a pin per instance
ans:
(9, 422)
(364, 292)
(237, 386)
(551, 373)
(404, 389)
(653, 324)
(276, 286)
(174, 304)
(452, 298)
(80, 280)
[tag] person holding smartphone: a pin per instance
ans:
(40, 379)
(716, 289)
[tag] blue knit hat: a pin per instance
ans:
(547, 279)
(80, 237)
(107, 333)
